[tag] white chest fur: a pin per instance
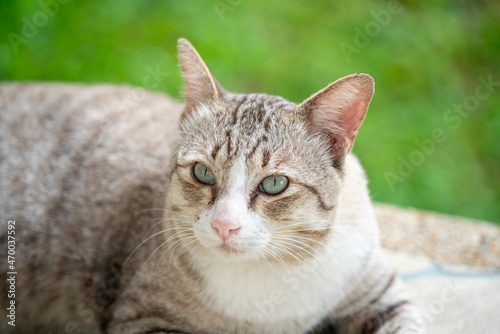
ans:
(265, 295)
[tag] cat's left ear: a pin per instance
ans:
(338, 111)
(200, 85)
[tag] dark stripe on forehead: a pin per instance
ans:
(228, 138)
(215, 150)
(266, 156)
(252, 151)
(260, 115)
(249, 113)
(267, 122)
(318, 196)
(234, 116)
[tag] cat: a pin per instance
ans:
(235, 213)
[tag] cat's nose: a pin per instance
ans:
(224, 228)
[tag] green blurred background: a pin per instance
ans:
(429, 60)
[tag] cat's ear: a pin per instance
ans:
(338, 110)
(200, 85)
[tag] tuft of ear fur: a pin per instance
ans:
(200, 85)
(338, 111)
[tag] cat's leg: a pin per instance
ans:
(389, 311)
(378, 304)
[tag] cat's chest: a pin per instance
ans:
(269, 295)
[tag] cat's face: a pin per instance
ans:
(255, 176)
(251, 180)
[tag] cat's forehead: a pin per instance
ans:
(249, 123)
(259, 128)
(251, 112)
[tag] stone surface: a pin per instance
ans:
(446, 239)
(450, 265)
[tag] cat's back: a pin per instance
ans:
(52, 133)
(79, 165)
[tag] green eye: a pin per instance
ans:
(273, 184)
(203, 174)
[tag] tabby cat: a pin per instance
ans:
(237, 213)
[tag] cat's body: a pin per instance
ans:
(114, 233)
(62, 140)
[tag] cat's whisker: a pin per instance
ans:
(279, 258)
(258, 263)
(319, 229)
(321, 255)
(282, 238)
(284, 245)
(309, 239)
(186, 242)
(284, 249)
(284, 226)
(302, 261)
(152, 227)
(144, 241)
(329, 249)
(173, 236)
(181, 238)
(182, 242)
(164, 243)
(261, 255)
(167, 251)
(288, 227)
(196, 249)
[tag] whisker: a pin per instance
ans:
(175, 243)
(277, 257)
(294, 237)
(188, 241)
(279, 237)
(304, 262)
(146, 240)
(164, 243)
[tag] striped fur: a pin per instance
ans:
(115, 235)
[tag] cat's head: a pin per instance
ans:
(255, 176)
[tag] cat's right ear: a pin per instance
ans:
(200, 85)
(338, 110)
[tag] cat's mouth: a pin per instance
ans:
(224, 248)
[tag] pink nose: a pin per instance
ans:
(224, 229)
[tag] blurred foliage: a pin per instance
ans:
(427, 58)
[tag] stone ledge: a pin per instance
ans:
(447, 240)
(450, 266)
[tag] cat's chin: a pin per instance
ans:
(225, 252)
(224, 248)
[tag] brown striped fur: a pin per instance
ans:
(114, 233)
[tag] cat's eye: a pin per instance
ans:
(274, 184)
(203, 174)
